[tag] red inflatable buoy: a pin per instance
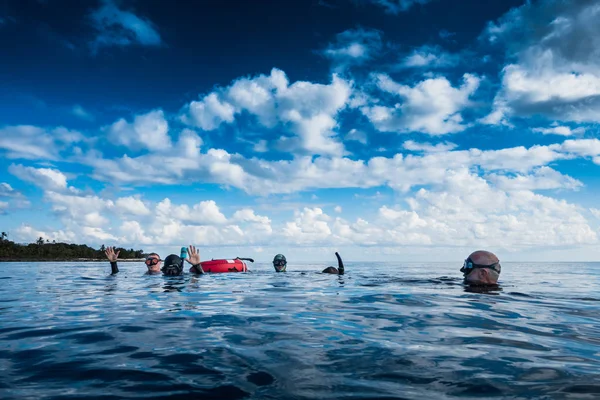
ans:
(220, 266)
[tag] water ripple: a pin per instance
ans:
(385, 331)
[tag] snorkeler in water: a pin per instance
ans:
(172, 265)
(333, 270)
(481, 268)
(280, 264)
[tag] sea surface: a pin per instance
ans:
(382, 331)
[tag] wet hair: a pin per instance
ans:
(152, 254)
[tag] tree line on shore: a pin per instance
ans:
(44, 250)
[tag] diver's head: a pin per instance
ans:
(153, 262)
(481, 268)
(279, 263)
(331, 270)
(173, 265)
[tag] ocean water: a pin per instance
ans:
(382, 331)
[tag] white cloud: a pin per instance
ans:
(560, 130)
(462, 209)
(80, 112)
(28, 142)
(580, 147)
(132, 205)
(555, 68)
(542, 178)
(116, 27)
(260, 146)
(397, 6)
(34, 143)
(262, 177)
(353, 47)
(430, 57)
(77, 208)
(96, 233)
(356, 135)
(432, 106)
(309, 226)
(45, 178)
(67, 136)
(595, 212)
(7, 191)
(26, 233)
(305, 110)
(149, 131)
(210, 112)
(203, 213)
(15, 198)
(428, 147)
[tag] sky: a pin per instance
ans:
(387, 130)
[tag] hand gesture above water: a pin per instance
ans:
(111, 255)
(194, 255)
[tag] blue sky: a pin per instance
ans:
(385, 129)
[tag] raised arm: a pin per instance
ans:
(112, 257)
(340, 264)
(194, 259)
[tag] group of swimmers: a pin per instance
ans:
(480, 268)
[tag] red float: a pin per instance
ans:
(221, 266)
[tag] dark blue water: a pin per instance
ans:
(402, 331)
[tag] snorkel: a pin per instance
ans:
(183, 254)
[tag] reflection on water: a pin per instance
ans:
(381, 331)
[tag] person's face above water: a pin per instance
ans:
(481, 268)
(279, 265)
(154, 263)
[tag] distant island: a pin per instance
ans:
(44, 250)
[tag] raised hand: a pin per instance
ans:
(111, 255)
(193, 255)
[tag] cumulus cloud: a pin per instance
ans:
(461, 209)
(354, 47)
(45, 178)
(117, 27)
(150, 131)
(432, 106)
(399, 172)
(554, 69)
(305, 111)
(132, 205)
(309, 226)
